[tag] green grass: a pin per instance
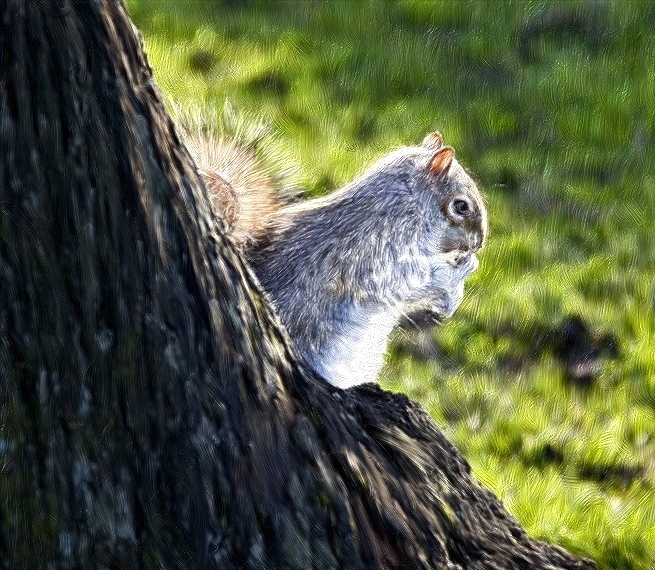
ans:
(550, 105)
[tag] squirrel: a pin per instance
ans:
(343, 270)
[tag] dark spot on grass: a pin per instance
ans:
(563, 26)
(365, 128)
(201, 61)
(486, 77)
(507, 180)
(580, 351)
(270, 82)
(546, 454)
(616, 474)
(598, 169)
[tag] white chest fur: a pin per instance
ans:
(356, 352)
(357, 345)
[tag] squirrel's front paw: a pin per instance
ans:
(445, 290)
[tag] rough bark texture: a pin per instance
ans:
(152, 414)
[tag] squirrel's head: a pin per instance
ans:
(460, 201)
(455, 229)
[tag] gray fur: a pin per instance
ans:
(343, 270)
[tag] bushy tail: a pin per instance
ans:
(246, 173)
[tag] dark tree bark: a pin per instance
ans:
(152, 413)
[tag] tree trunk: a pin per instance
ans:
(152, 412)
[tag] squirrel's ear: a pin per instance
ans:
(433, 140)
(441, 161)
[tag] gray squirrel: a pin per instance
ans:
(343, 270)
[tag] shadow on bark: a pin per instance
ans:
(152, 412)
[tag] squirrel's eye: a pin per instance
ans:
(461, 207)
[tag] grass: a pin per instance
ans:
(550, 105)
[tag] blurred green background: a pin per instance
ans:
(545, 376)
